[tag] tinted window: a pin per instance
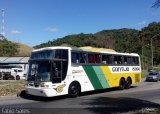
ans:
(75, 57)
(129, 60)
(83, 58)
(97, 58)
(48, 54)
(64, 54)
(125, 60)
(107, 59)
(61, 54)
(118, 60)
(91, 58)
(135, 60)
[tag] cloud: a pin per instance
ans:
(50, 29)
(141, 23)
(15, 32)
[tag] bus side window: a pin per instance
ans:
(104, 59)
(91, 58)
(75, 57)
(83, 58)
(115, 59)
(129, 60)
(118, 59)
(125, 60)
(109, 59)
(135, 61)
(97, 58)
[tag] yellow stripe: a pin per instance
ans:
(113, 79)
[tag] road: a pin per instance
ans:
(142, 97)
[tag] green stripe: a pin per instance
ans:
(101, 76)
(92, 77)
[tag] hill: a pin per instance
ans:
(112, 39)
(8, 49)
(23, 50)
(122, 40)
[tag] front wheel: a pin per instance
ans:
(74, 89)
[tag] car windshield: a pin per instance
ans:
(153, 73)
(39, 71)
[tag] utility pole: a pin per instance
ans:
(2, 26)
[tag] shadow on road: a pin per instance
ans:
(37, 98)
(116, 105)
(103, 91)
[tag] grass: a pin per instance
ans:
(11, 87)
(24, 50)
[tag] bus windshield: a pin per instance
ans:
(39, 71)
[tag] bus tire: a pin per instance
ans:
(122, 84)
(17, 77)
(74, 89)
(128, 83)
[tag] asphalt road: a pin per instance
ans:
(140, 98)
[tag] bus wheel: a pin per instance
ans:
(122, 84)
(74, 89)
(17, 77)
(128, 83)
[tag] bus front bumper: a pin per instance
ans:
(44, 92)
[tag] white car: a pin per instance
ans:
(18, 73)
(153, 76)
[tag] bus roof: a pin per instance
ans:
(87, 49)
(51, 48)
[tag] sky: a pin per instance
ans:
(33, 22)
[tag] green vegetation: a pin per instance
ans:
(144, 73)
(23, 50)
(8, 48)
(11, 87)
(121, 40)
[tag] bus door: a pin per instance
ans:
(60, 65)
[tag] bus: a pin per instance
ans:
(55, 71)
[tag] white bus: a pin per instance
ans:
(55, 71)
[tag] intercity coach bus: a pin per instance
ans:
(55, 71)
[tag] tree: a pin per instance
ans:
(8, 48)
